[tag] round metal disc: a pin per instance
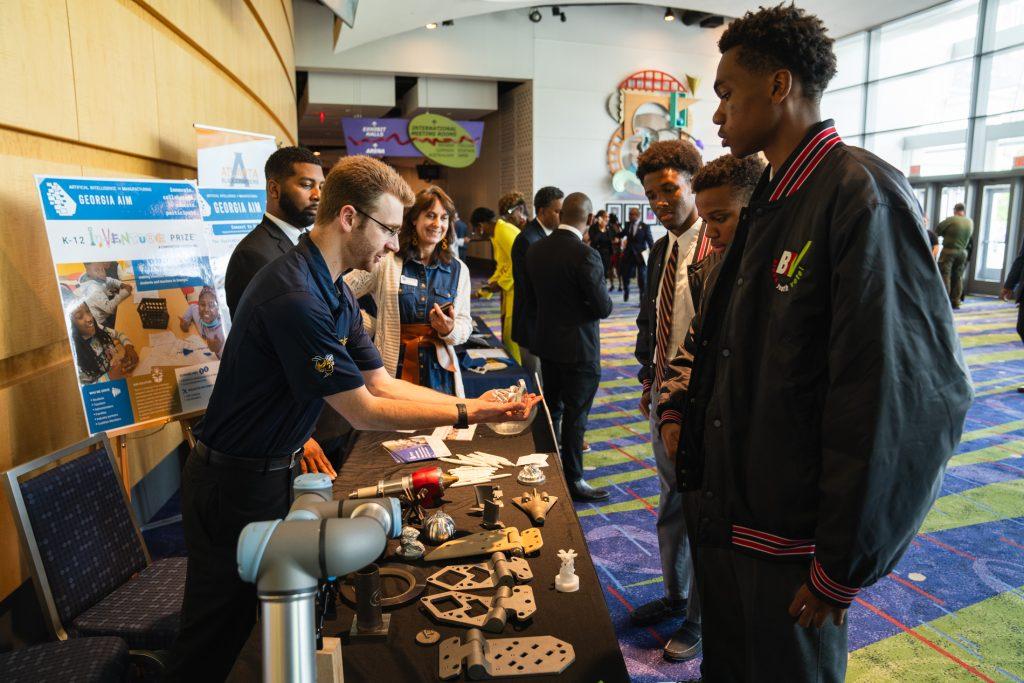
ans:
(428, 636)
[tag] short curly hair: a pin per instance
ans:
(741, 174)
(681, 155)
(784, 37)
(509, 201)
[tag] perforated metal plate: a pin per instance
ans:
(489, 612)
(482, 658)
(498, 571)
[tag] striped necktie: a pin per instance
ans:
(666, 297)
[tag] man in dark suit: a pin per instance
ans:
(548, 204)
(565, 282)
(294, 177)
(638, 239)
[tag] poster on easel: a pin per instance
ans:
(143, 318)
(232, 190)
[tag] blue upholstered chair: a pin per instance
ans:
(90, 567)
(84, 660)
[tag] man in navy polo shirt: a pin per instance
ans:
(297, 341)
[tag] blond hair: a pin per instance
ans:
(359, 181)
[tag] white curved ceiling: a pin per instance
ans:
(377, 19)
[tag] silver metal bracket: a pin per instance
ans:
(533, 656)
(482, 611)
(498, 571)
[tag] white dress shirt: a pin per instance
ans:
(571, 229)
(290, 231)
(683, 306)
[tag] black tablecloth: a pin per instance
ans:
(476, 384)
(578, 618)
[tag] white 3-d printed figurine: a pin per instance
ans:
(567, 581)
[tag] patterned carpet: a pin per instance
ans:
(954, 607)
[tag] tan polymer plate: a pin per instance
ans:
(483, 543)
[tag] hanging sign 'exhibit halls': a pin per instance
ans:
(142, 315)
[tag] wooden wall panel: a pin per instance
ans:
(108, 88)
(117, 94)
(46, 71)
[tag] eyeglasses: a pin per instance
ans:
(392, 232)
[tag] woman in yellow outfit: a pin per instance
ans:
(512, 216)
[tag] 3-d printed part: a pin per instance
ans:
(566, 581)
(439, 527)
(370, 621)
(428, 636)
(534, 656)
(412, 582)
(489, 542)
(482, 611)
(498, 571)
(535, 505)
(531, 474)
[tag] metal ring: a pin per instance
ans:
(417, 584)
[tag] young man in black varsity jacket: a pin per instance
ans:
(828, 390)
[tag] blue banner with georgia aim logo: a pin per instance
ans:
(96, 199)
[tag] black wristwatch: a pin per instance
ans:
(463, 422)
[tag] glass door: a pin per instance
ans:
(991, 235)
(950, 196)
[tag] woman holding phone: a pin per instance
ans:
(422, 295)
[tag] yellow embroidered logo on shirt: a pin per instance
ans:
(324, 364)
(343, 340)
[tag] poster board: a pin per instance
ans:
(233, 191)
(143, 320)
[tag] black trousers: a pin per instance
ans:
(569, 390)
(748, 635)
(219, 609)
(1020, 320)
(629, 267)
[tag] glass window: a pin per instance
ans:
(935, 150)
(999, 142)
(847, 108)
(851, 60)
(939, 94)
(995, 222)
(1002, 80)
(925, 39)
(1006, 24)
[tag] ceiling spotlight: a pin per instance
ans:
(431, 26)
(555, 11)
(316, 154)
(535, 15)
(669, 15)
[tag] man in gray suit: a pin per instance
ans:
(294, 177)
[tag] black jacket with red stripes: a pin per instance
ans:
(829, 388)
